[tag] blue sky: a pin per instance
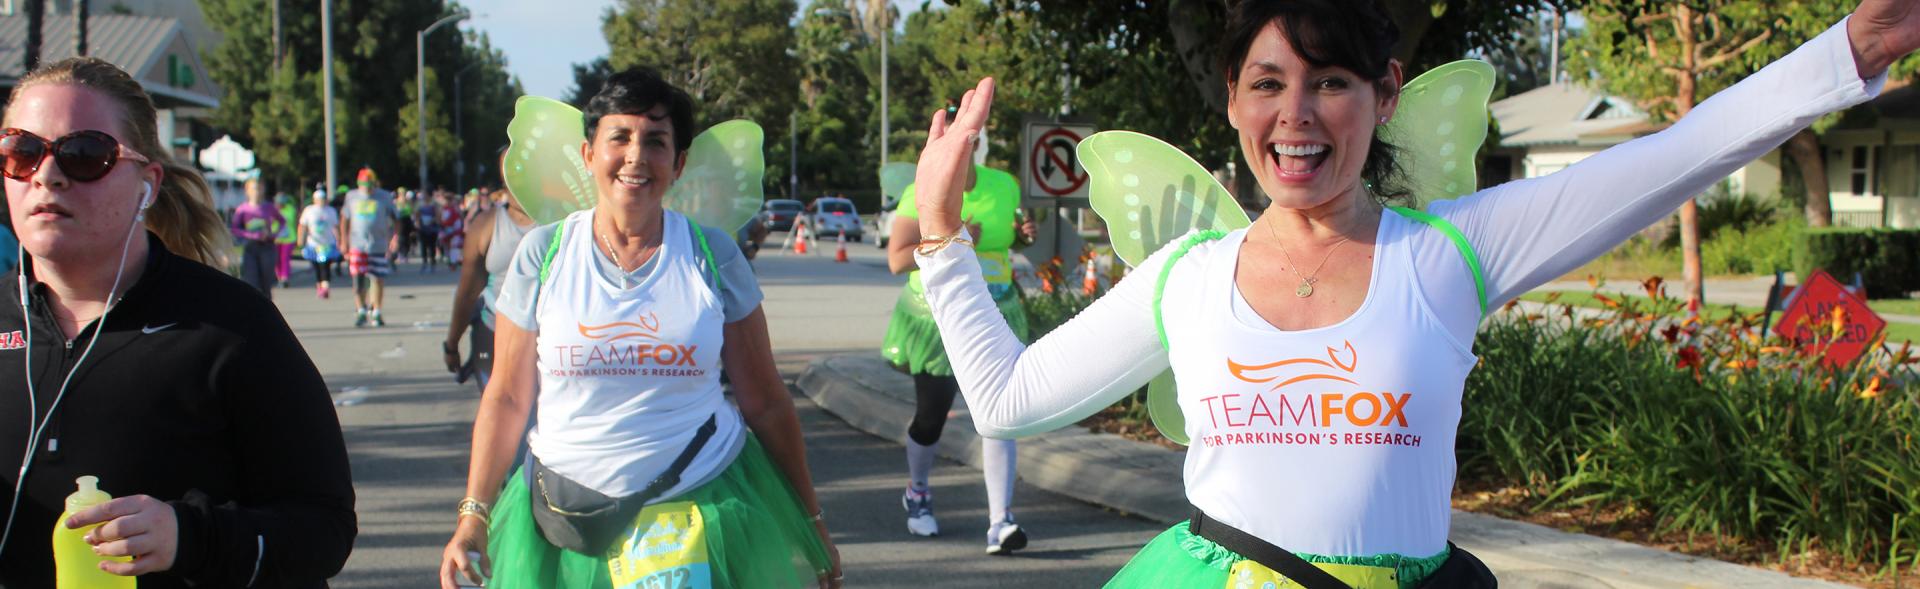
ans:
(542, 41)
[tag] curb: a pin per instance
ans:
(1143, 480)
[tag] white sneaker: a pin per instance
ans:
(919, 508)
(1005, 537)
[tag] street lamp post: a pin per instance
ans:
(326, 93)
(420, 86)
(460, 139)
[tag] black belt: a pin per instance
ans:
(1273, 557)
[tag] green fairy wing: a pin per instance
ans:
(1440, 124)
(895, 177)
(544, 170)
(1150, 193)
(720, 186)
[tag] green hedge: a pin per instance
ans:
(1887, 259)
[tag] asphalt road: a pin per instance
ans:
(407, 426)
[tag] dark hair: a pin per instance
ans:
(636, 91)
(1355, 35)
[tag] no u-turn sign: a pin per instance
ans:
(1050, 169)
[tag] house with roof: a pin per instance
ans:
(1872, 155)
(1873, 162)
(156, 50)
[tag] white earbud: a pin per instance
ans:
(146, 195)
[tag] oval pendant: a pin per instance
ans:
(1305, 290)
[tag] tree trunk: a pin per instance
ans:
(1804, 148)
(1690, 211)
(1195, 26)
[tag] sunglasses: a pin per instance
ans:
(83, 156)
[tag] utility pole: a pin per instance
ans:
(886, 30)
(793, 155)
(36, 15)
(80, 27)
(326, 95)
(276, 32)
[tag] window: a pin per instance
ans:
(836, 207)
(1861, 175)
(1900, 166)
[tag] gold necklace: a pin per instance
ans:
(1306, 282)
(611, 254)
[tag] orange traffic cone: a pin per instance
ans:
(840, 255)
(800, 242)
(1092, 283)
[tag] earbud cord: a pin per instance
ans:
(99, 326)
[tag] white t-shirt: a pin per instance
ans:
(1411, 339)
(629, 370)
(322, 224)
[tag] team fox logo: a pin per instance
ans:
(1320, 408)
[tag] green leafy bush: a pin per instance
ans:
(1755, 249)
(1888, 260)
(1708, 428)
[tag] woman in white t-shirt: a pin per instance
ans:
(320, 240)
(615, 323)
(1323, 398)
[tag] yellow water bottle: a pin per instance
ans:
(74, 563)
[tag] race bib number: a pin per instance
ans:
(996, 267)
(1248, 574)
(666, 548)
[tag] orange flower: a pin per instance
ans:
(1687, 357)
(1605, 299)
(1872, 389)
(1652, 284)
(1593, 281)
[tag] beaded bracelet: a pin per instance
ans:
(475, 508)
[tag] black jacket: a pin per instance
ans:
(197, 394)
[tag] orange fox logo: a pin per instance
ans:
(647, 327)
(1245, 371)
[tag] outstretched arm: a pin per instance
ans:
(1530, 231)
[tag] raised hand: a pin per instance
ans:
(944, 161)
(1883, 31)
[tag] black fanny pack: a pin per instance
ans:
(574, 517)
(1461, 569)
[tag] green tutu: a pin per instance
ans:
(1177, 559)
(758, 534)
(913, 340)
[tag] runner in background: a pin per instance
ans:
(319, 233)
(453, 229)
(367, 228)
(283, 269)
(426, 224)
(258, 224)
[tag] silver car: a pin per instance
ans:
(833, 215)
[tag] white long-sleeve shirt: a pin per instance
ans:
(1412, 336)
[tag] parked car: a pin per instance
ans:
(781, 212)
(832, 215)
(883, 222)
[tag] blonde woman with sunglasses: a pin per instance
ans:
(124, 356)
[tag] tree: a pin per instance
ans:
(441, 144)
(733, 57)
(277, 113)
(1668, 56)
(587, 79)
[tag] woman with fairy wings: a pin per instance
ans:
(1320, 354)
(615, 322)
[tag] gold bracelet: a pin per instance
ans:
(475, 508)
(934, 243)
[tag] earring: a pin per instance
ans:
(1383, 120)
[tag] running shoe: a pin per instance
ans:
(1005, 537)
(378, 321)
(322, 290)
(919, 507)
(360, 318)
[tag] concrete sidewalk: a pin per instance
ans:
(1143, 480)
